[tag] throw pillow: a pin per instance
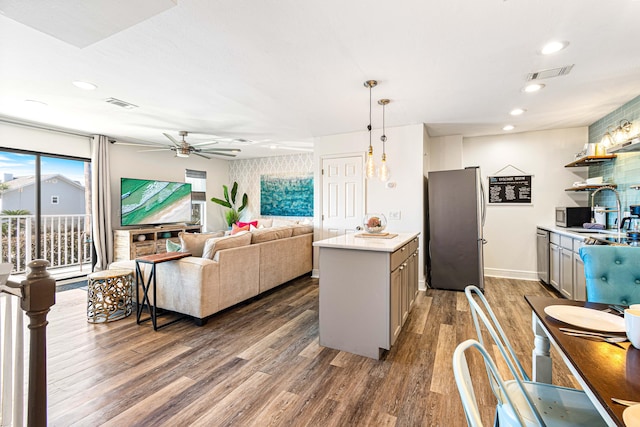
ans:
(212, 246)
(238, 228)
(194, 242)
(173, 247)
(242, 224)
(265, 222)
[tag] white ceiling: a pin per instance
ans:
(281, 72)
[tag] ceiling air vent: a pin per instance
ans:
(547, 74)
(120, 103)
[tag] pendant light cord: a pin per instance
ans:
(369, 126)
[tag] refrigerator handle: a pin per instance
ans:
(483, 199)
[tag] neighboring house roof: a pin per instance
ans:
(25, 181)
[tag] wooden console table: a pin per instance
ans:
(151, 283)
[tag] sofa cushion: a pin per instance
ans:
(264, 222)
(194, 242)
(299, 229)
(235, 229)
(245, 224)
(220, 243)
(273, 233)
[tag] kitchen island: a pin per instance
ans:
(367, 288)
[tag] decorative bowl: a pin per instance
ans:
(374, 223)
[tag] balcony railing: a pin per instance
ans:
(64, 239)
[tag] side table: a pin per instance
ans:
(150, 285)
(109, 295)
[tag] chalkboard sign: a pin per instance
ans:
(511, 189)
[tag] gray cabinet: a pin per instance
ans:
(566, 267)
(366, 294)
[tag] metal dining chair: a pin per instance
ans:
(520, 398)
(612, 273)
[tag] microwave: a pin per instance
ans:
(573, 216)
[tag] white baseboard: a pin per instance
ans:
(511, 274)
(315, 273)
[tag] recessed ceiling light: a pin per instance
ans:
(553, 47)
(533, 87)
(84, 85)
(517, 111)
(508, 127)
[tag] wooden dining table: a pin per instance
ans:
(603, 370)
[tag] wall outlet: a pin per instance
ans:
(395, 215)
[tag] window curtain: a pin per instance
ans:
(101, 202)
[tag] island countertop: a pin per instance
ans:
(350, 241)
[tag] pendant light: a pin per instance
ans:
(370, 166)
(384, 171)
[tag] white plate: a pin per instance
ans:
(631, 416)
(586, 318)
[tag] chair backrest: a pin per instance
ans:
(467, 394)
(612, 273)
(483, 313)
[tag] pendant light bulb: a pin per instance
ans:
(384, 172)
(370, 165)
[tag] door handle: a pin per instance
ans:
(358, 228)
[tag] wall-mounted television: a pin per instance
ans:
(151, 202)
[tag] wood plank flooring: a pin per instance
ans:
(260, 364)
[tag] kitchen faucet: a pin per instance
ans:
(607, 187)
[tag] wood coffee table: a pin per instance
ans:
(151, 285)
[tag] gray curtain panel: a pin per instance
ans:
(101, 203)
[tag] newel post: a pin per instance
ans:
(39, 291)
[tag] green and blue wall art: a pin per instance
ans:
(286, 194)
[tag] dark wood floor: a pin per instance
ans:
(260, 364)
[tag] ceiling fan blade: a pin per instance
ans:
(172, 139)
(155, 149)
(211, 150)
(202, 155)
(204, 143)
(221, 154)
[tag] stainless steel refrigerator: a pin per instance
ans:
(456, 208)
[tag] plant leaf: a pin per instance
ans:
(234, 191)
(245, 201)
(226, 193)
(221, 202)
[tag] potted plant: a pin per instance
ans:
(232, 215)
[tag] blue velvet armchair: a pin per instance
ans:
(612, 273)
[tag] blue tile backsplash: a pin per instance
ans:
(624, 170)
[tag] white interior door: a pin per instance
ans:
(342, 195)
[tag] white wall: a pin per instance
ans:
(404, 149)
(510, 230)
(445, 153)
(128, 162)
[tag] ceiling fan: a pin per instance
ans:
(184, 149)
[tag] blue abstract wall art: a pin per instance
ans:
(286, 194)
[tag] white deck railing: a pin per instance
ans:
(11, 361)
(33, 296)
(65, 240)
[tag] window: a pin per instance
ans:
(54, 200)
(198, 181)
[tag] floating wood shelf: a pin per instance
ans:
(590, 187)
(590, 160)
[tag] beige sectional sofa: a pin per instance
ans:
(227, 270)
